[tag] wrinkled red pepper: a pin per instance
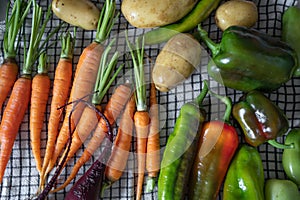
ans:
(218, 143)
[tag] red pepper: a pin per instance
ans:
(218, 143)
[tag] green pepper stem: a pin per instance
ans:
(278, 145)
(228, 102)
(203, 93)
(214, 47)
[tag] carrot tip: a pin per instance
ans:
(150, 184)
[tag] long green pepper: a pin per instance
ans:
(199, 13)
(180, 149)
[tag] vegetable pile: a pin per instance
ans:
(94, 114)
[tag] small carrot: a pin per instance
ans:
(9, 67)
(112, 110)
(18, 102)
(39, 98)
(141, 116)
(153, 145)
(60, 91)
(121, 147)
(12, 118)
(85, 77)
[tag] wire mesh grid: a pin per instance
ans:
(21, 178)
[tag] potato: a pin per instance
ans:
(236, 12)
(82, 13)
(176, 62)
(153, 13)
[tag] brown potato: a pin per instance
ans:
(81, 13)
(153, 13)
(176, 62)
(236, 12)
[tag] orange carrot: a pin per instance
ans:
(12, 118)
(18, 102)
(8, 75)
(141, 116)
(141, 122)
(9, 68)
(61, 88)
(112, 110)
(121, 147)
(39, 98)
(85, 77)
(153, 146)
(89, 117)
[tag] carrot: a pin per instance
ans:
(12, 117)
(141, 116)
(9, 68)
(112, 110)
(121, 147)
(60, 91)
(85, 77)
(89, 118)
(39, 98)
(85, 187)
(90, 183)
(18, 102)
(153, 146)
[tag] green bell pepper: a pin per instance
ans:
(245, 176)
(247, 59)
(291, 30)
(291, 156)
(260, 119)
(276, 189)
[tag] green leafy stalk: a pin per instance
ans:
(139, 75)
(106, 67)
(67, 45)
(35, 47)
(43, 67)
(13, 25)
(106, 21)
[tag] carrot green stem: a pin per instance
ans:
(106, 67)
(139, 75)
(13, 25)
(106, 21)
(67, 45)
(43, 67)
(228, 102)
(38, 26)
